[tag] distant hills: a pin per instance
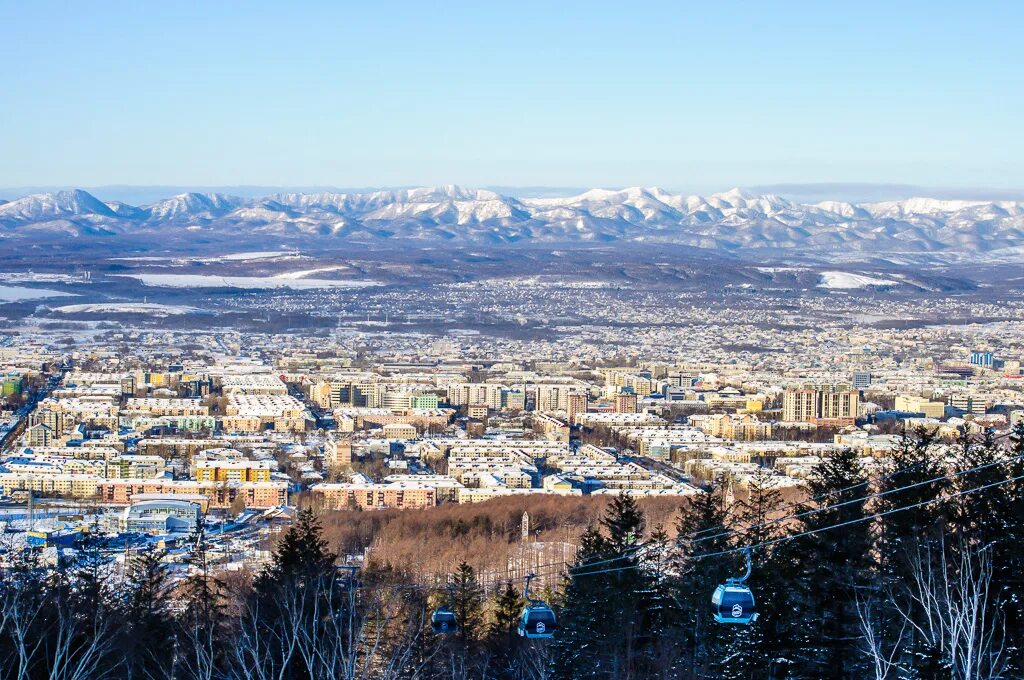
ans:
(732, 221)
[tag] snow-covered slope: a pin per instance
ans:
(43, 207)
(191, 206)
(730, 221)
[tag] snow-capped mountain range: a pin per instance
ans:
(731, 221)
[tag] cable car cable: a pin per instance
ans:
(836, 492)
(783, 539)
(880, 494)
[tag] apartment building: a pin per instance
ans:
(257, 412)
(252, 384)
(625, 402)
(462, 394)
(234, 470)
(258, 495)
(338, 452)
(800, 405)
(577, 404)
(166, 407)
(369, 496)
(745, 427)
(828, 405)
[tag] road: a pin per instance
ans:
(21, 421)
(324, 418)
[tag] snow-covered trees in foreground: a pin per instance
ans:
(913, 572)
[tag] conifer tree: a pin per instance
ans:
(200, 622)
(834, 565)
(914, 462)
(1009, 553)
(581, 624)
(700, 530)
(662, 655)
(301, 554)
(607, 629)
(915, 474)
(502, 639)
(758, 651)
(467, 603)
(149, 633)
(980, 517)
(507, 607)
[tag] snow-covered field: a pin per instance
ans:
(20, 293)
(255, 255)
(775, 270)
(286, 280)
(230, 257)
(847, 281)
(41, 277)
(151, 308)
(309, 272)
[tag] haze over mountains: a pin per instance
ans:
(733, 221)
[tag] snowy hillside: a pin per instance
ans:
(730, 221)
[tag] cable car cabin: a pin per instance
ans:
(733, 603)
(537, 621)
(444, 621)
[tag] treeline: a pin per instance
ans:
(913, 572)
(916, 573)
(428, 542)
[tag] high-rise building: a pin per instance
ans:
(625, 402)
(831, 404)
(800, 405)
(552, 396)
(577, 405)
(513, 400)
(461, 394)
(338, 452)
(985, 359)
(861, 380)
(839, 403)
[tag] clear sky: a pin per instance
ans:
(687, 95)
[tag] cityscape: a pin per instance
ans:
(545, 341)
(156, 429)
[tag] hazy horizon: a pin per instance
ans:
(854, 192)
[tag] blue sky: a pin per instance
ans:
(686, 95)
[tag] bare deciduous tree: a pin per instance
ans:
(947, 600)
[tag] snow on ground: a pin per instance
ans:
(127, 308)
(775, 270)
(20, 294)
(41, 277)
(254, 282)
(846, 281)
(256, 255)
(308, 272)
(230, 257)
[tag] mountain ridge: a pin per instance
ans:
(726, 221)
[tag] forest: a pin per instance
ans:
(912, 571)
